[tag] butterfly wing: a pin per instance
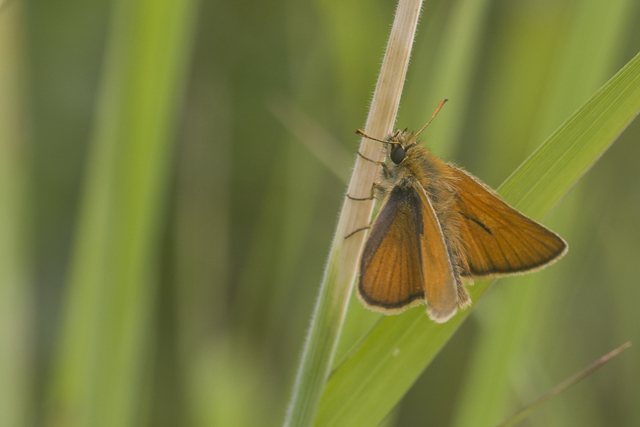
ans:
(405, 259)
(440, 290)
(499, 240)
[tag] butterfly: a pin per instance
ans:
(440, 227)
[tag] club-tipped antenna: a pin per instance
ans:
(363, 133)
(434, 114)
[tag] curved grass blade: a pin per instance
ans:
(498, 348)
(367, 386)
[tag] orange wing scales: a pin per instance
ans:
(441, 293)
(390, 274)
(499, 240)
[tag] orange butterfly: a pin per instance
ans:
(440, 226)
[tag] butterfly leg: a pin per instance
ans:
(372, 196)
(374, 187)
(385, 168)
(357, 231)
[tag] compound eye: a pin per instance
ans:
(397, 154)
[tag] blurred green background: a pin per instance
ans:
(171, 174)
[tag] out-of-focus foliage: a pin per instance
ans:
(247, 209)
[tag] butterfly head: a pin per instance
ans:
(399, 143)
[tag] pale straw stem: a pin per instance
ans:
(336, 287)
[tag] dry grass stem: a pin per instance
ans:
(340, 272)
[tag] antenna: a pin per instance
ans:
(361, 132)
(434, 114)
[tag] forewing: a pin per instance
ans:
(499, 240)
(391, 279)
(405, 258)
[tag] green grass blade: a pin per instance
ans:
(367, 386)
(105, 337)
(513, 328)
